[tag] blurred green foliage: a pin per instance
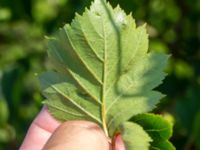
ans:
(173, 27)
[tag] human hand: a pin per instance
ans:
(48, 134)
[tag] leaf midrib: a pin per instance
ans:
(103, 108)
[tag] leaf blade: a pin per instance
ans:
(159, 129)
(108, 79)
(134, 136)
(62, 89)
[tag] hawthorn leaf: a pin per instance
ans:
(159, 129)
(134, 136)
(103, 71)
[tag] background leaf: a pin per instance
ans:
(159, 129)
(134, 136)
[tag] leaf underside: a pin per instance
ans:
(103, 71)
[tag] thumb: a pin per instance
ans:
(78, 135)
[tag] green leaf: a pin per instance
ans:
(134, 136)
(159, 129)
(196, 129)
(103, 71)
(162, 145)
(7, 133)
(4, 112)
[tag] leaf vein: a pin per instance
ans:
(89, 44)
(118, 97)
(77, 81)
(113, 83)
(64, 110)
(75, 104)
(82, 61)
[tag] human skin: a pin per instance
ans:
(46, 133)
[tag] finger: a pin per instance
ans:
(78, 135)
(119, 144)
(40, 130)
